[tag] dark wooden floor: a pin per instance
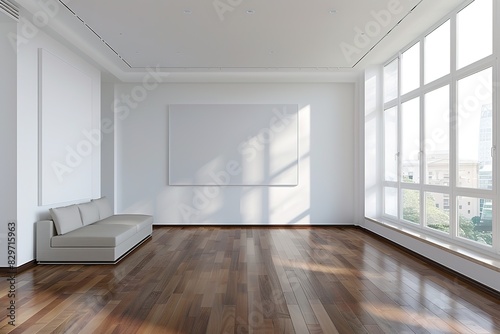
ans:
(251, 280)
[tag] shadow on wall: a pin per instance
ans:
(267, 162)
(324, 191)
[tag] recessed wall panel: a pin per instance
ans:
(65, 116)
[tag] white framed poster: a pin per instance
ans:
(233, 144)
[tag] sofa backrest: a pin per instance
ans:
(66, 219)
(72, 217)
(104, 207)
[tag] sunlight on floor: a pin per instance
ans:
(321, 268)
(411, 317)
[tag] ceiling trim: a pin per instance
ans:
(95, 33)
(388, 33)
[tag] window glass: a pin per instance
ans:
(475, 131)
(437, 136)
(410, 69)
(474, 32)
(439, 129)
(410, 141)
(411, 205)
(475, 219)
(391, 80)
(391, 201)
(437, 53)
(437, 214)
(391, 144)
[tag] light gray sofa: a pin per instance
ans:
(89, 233)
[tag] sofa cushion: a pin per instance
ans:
(89, 212)
(139, 221)
(66, 219)
(104, 207)
(95, 236)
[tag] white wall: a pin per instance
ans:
(325, 193)
(28, 210)
(8, 77)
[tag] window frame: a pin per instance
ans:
(452, 190)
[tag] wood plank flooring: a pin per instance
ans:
(251, 280)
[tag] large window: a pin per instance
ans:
(391, 144)
(391, 80)
(439, 131)
(437, 136)
(474, 32)
(475, 130)
(410, 69)
(437, 212)
(410, 141)
(437, 53)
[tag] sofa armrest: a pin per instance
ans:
(45, 230)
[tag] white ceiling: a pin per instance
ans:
(242, 36)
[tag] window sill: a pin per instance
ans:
(488, 261)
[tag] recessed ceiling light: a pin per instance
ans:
(250, 11)
(188, 11)
(333, 11)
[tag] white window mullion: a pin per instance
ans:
(422, 158)
(379, 102)
(400, 191)
(496, 123)
(453, 129)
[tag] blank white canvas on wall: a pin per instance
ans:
(233, 144)
(65, 112)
